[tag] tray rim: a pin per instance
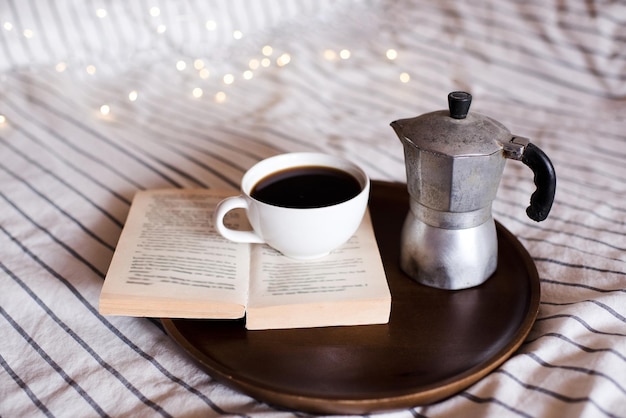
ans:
(429, 394)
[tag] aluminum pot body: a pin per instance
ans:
(448, 258)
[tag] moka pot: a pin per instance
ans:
(454, 161)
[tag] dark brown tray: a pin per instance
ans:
(436, 344)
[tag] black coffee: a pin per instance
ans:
(306, 187)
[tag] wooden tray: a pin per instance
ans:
(436, 344)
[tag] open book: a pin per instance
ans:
(170, 262)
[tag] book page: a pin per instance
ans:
(171, 262)
(346, 287)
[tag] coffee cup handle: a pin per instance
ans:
(222, 209)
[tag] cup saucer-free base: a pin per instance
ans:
(437, 343)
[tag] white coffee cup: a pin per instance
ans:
(300, 233)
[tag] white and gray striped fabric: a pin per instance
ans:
(99, 99)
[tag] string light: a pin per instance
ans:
(220, 97)
(3, 120)
(200, 65)
(254, 63)
(330, 55)
(391, 54)
(8, 26)
(204, 73)
(283, 60)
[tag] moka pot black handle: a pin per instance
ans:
(545, 180)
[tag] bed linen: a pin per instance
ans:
(102, 98)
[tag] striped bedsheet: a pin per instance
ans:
(100, 99)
